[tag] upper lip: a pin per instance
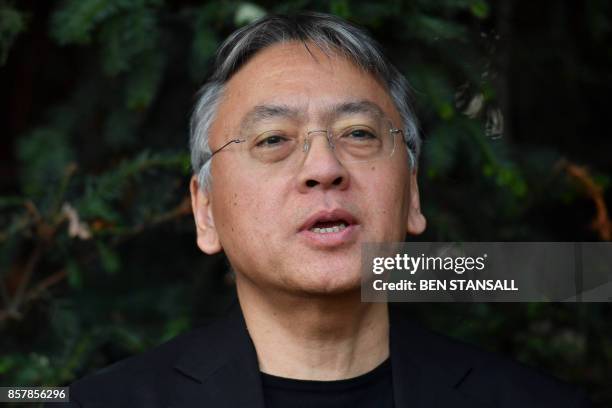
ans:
(338, 214)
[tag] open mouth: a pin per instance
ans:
(326, 227)
(329, 222)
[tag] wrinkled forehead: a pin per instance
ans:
(299, 81)
(301, 113)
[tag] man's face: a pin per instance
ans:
(268, 220)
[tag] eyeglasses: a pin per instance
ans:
(364, 141)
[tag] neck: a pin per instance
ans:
(321, 338)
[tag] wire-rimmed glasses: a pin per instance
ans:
(352, 141)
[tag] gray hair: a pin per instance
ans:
(332, 35)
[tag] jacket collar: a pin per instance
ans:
(220, 366)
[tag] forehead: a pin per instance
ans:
(300, 77)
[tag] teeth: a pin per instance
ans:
(336, 228)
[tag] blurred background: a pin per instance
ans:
(97, 247)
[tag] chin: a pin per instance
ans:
(325, 281)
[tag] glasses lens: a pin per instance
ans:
(272, 146)
(358, 143)
(352, 142)
(364, 142)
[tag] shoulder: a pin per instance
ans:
(499, 379)
(140, 380)
(489, 378)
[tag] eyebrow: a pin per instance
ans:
(269, 111)
(352, 107)
(263, 112)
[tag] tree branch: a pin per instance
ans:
(601, 223)
(25, 295)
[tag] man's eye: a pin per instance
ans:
(271, 141)
(360, 134)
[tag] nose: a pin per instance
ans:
(321, 168)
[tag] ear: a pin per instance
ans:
(207, 237)
(416, 222)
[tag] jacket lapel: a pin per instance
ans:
(219, 368)
(427, 371)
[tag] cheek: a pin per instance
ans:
(388, 196)
(246, 210)
(227, 199)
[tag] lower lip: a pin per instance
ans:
(331, 239)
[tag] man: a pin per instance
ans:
(304, 147)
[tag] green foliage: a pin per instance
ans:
(75, 21)
(480, 9)
(125, 37)
(102, 191)
(12, 23)
(45, 154)
(340, 8)
(205, 40)
(432, 28)
(247, 13)
(108, 258)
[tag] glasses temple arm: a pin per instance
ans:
(225, 145)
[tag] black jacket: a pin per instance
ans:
(216, 366)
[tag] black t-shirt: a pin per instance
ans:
(372, 389)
